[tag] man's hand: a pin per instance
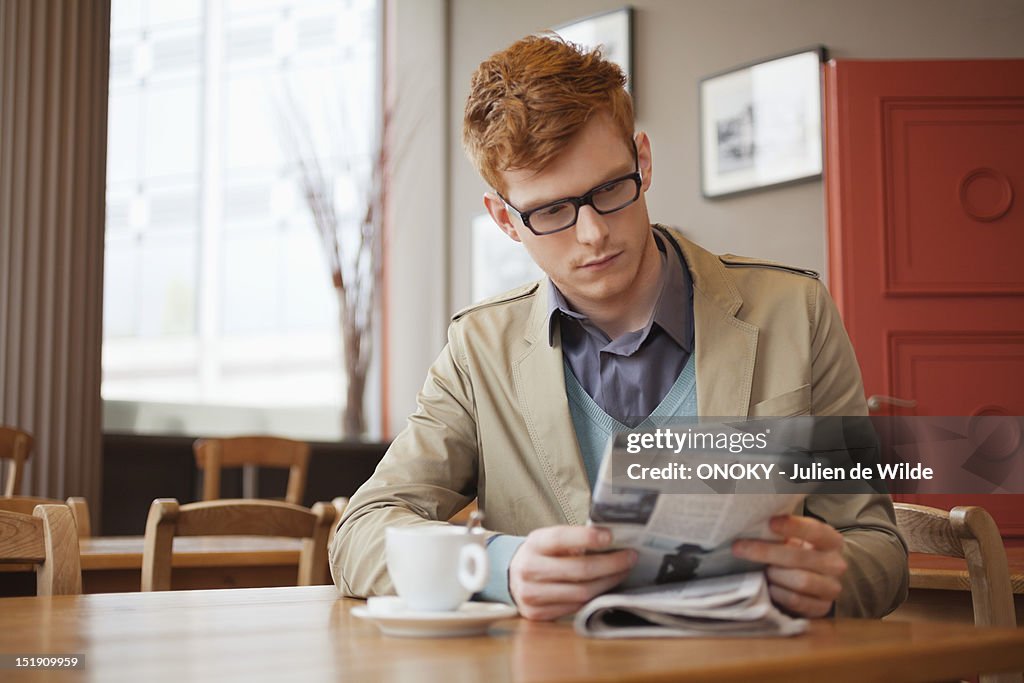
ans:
(805, 568)
(551, 575)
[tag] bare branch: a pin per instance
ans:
(352, 243)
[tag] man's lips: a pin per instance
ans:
(600, 261)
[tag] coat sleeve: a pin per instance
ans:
(877, 579)
(427, 475)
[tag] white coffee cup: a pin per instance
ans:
(435, 568)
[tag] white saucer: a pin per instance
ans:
(471, 619)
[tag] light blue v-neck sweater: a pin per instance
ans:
(593, 429)
(594, 426)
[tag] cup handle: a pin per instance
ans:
(473, 567)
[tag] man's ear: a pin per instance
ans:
(644, 158)
(495, 206)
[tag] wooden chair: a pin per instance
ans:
(339, 503)
(240, 517)
(462, 516)
(16, 446)
(971, 533)
(26, 504)
(46, 538)
(264, 451)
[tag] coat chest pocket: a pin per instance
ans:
(789, 404)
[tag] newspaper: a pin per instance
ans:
(686, 580)
(681, 536)
(736, 605)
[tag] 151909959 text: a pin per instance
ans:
(41, 661)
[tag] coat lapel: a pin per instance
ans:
(540, 386)
(725, 347)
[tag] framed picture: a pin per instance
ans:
(613, 31)
(760, 124)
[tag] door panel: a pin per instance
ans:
(924, 366)
(925, 192)
(951, 169)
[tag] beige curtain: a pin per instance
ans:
(54, 57)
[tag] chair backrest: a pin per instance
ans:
(971, 533)
(240, 517)
(26, 504)
(15, 446)
(47, 539)
(339, 503)
(462, 516)
(264, 451)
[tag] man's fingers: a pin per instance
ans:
(569, 540)
(806, 583)
(789, 555)
(799, 603)
(799, 543)
(804, 568)
(817, 533)
(577, 568)
(553, 574)
(547, 593)
(547, 612)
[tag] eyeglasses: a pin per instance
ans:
(562, 214)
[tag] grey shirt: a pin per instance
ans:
(629, 377)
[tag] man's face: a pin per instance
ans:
(595, 263)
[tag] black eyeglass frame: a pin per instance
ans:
(586, 199)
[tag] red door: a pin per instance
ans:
(925, 193)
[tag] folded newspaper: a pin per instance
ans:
(735, 605)
(686, 581)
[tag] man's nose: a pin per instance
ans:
(590, 226)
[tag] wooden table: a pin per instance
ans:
(940, 588)
(113, 564)
(308, 634)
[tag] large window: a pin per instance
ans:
(219, 315)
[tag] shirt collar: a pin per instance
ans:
(675, 320)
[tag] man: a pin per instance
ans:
(633, 320)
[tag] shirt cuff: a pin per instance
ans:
(500, 549)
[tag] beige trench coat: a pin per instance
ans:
(493, 422)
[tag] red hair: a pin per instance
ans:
(527, 101)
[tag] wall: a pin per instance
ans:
(675, 44)
(416, 240)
